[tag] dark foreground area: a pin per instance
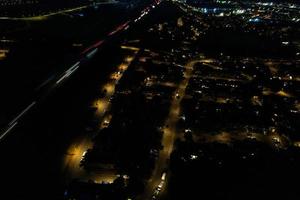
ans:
(189, 101)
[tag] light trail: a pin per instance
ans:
(69, 72)
(96, 45)
(45, 83)
(92, 53)
(22, 113)
(93, 49)
(8, 130)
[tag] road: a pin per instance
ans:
(76, 151)
(169, 136)
(87, 54)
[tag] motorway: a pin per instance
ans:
(86, 55)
